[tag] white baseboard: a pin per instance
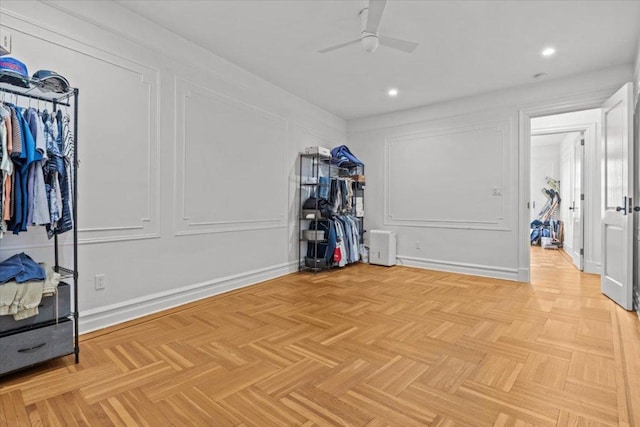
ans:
(592, 267)
(462, 268)
(102, 317)
(524, 275)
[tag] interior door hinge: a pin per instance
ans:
(582, 197)
(582, 141)
(582, 251)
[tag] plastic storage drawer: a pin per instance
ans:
(35, 345)
(56, 306)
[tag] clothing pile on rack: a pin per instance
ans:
(340, 245)
(23, 283)
(343, 157)
(338, 191)
(36, 162)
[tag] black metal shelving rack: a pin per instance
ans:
(67, 99)
(310, 169)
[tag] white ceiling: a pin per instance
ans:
(466, 47)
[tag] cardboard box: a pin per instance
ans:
(320, 151)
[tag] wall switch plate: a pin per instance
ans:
(100, 282)
(5, 42)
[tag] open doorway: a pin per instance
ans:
(565, 189)
(557, 216)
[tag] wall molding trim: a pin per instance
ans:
(502, 129)
(148, 76)
(461, 268)
(109, 315)
(184, 224)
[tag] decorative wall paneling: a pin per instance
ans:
(453, 178)
(230, 163)
(122, 109)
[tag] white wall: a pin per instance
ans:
(188, 163)
(432, 172)
(590, 121)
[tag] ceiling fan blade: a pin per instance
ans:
(376, 7)
(338, 46)
(403, 45)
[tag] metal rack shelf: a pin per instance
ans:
(312, 167)
(67, 99)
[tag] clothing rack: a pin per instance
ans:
(57, 101)
(68, 99)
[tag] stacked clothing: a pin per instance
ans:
(23, 283)
(37, 155)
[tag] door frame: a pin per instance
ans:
(576, 102)
(588, 131)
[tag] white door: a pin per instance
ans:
(617, 221)
(577, 211)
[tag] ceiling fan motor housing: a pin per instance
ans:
(369, 40)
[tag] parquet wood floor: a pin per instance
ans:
(362, 346)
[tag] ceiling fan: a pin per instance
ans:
(369, 38)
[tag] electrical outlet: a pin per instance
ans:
(100, 282)
(496, 191)
(418, 245)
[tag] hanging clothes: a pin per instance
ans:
(36, 157)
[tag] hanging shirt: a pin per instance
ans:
(65, 222)
(3, 153)
(24, 160)
(38, 205)
(7, 166)
(52, 168)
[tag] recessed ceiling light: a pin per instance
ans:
(393, 92)
(548, 51)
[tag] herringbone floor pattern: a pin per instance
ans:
(363, 346)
